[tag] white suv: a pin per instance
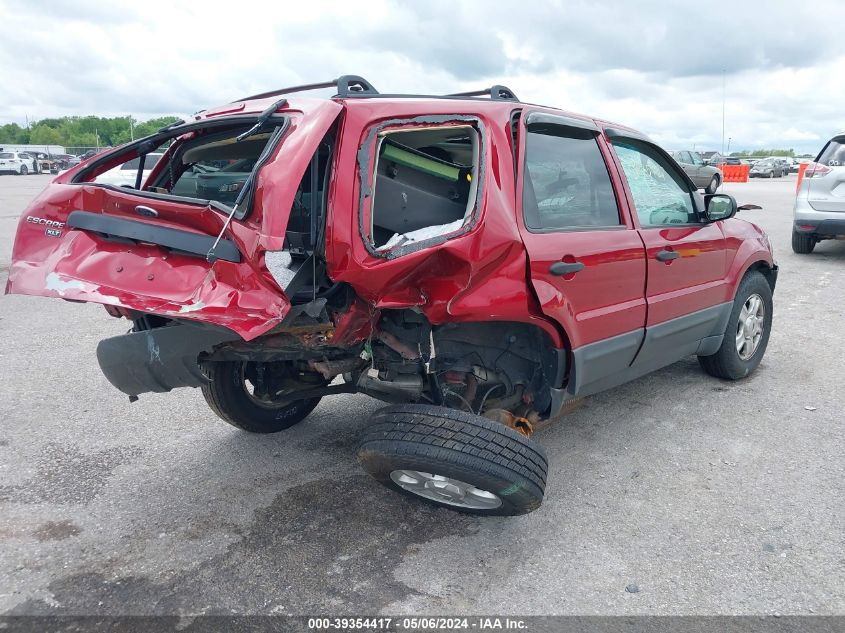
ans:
(820, 202)
(124, 175)
(17, 163)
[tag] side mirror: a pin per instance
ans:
(719, 206)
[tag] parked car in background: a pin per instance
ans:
(376, 247)
(785, 162)
(732, 160)
(704, 176)
(63, 160)
(767, 168)
(712, 158)
(125, 175)
(819, 212)
(20, 163)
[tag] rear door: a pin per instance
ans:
(686, 256)
(587, 261)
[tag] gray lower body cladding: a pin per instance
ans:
(160, 359)
(619, 359)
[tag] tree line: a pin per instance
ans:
(87, 131)
(764, 152)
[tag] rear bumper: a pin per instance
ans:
(824, 228)
(158, 360)
(810, 220)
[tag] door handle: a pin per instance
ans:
(666, 256)
(565, 268)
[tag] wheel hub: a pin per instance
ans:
(750, 326)
(446, 490)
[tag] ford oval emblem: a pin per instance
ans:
(146, 211)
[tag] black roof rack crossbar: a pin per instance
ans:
(347, 85)
(496, 93)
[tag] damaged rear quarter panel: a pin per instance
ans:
(478, 275)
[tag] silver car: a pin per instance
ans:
(704, 176)
(820, 202)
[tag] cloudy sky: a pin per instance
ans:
(657, 66)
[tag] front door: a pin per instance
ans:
(587, 261)
(686, 255)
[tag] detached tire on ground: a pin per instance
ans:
(454, 459)
(228, 396)
(747, 332)
(802, 243)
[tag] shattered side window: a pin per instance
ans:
(660, 195)
(566, 183)
(425, 184)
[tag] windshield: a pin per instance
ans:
(6, 155)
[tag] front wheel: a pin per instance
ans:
(454, 459)
(234, 393)
(713, 186)
(747, 332)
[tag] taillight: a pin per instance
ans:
(816, 170)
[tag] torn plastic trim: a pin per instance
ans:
(159, 360)
(366, 176)
(186, 242)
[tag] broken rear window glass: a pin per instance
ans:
(425, 184)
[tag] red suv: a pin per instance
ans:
(475, 260)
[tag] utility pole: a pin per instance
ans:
(729, 144)
(723, 112)
(131, 129)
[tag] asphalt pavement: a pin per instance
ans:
(699, 496)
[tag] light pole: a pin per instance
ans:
(131, 129)
(723, 112)
(729, 145)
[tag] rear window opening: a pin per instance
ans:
(426, 182)
(203, 164)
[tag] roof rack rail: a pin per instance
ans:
(496, 93)
(347, 86)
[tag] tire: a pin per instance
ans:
(24, 170)
(498, 470)
(713, 186)
(803, 243)
(728, 362)
(227, 395)
(772, 174)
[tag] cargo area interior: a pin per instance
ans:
(425, 184)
